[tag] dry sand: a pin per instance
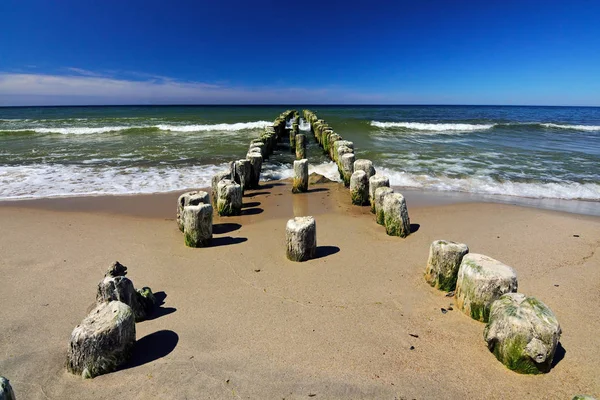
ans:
(239, 321)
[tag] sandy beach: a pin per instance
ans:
(241, 321)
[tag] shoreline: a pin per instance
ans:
(160, 204)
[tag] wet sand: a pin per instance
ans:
(241, 321)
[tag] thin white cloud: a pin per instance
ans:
(88, 87)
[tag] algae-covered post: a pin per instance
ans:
(243, 174)
(218, 177)
(380, 194)
(103, 341)
(300, 183)
(346, 168)
(397, 222)
(301, 238)
(359, 188)
(6, 390)
(365, 165)
(198, 223)
(255, 167)
(481, 281)
(443, 264)
(300, 146)
(523, 333)
(375, 182)
(229, 200)
(192, 199)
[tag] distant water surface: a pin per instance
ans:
(527, 152)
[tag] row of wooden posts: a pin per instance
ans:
(521, 331)
(195, 209)
(366, 186)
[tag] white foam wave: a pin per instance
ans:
(433, 127)
(83, 130)
(215, 127)
(586, 128)
(487, 185)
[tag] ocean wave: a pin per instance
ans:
(585, 128)
(86, 130)
(433, 127)
(487, 185)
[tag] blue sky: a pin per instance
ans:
(382, 52)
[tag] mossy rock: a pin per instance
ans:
(444, 261)
(103, 341)
(523, 333)
(481, 280)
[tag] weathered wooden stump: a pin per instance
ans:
(6, 390)
(229, 201)
(256, 167)
(523, 333)
(397, 222)
(365, 165)
(292, 141)
(376, 181)
(300, 146)
(243, 174)
(346, 168)
(258, 146)
(218, 177)
(198, 222)
(359, 188)
(380, 194)
(300, 182)
(443, 264)
(340, 153)
(301, 238)
(190, 199)
(481, 281)
(103, 341)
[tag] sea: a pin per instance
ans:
(530, 155)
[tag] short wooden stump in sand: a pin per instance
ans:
(229, 201)
(242, 174)
(523, 333)
(365, 165)
(300, 182)
(103, 341)
(190, 199)
(444, 261)
(346, 167)
(301, 238)
(255, 168)
(380, 194)
(481, 281)
(6, 391)
(198, 222)
(359, 188)
(218, 177)
(397, 222)
(375, 182)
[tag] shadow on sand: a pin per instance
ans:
(225, 228)
(226, 241)
(151, 348)
(414, 228)
(324, 251)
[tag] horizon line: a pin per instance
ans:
(299, 104)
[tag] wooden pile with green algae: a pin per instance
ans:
(103, 341)
(300, 146)
(397, 222)
(190, 199)
(300, 182)
(375, 182)
(481, 281)
(365, 165)
(218, 177)
(444, 261)
(583, 397)
(380, 194)
(301, 238)
(359, 188)
(229, 200)
(198, 225)
(6, 390)
(523, 333)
